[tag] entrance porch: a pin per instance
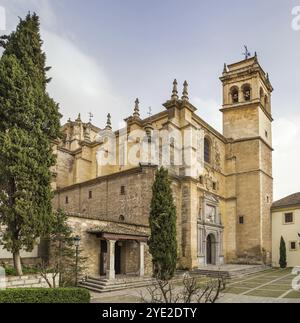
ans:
(122, 252)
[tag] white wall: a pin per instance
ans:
(6, 255)
(289, 232)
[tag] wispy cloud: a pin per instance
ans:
(79, 83)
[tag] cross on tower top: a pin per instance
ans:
(91, 117)
(247, 54)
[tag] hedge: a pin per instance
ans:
(45, 295)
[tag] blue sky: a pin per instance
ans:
(105, 53)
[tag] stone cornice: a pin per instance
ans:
(285, 207)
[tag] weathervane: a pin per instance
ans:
(150, 112)
(247, 54)
(91, 117)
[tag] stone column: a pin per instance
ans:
(142, 259)
(111, 273)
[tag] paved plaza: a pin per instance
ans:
(270, 286)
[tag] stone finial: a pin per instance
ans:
(78, 118)
(149, 129)
(255, 57)
(108, 123)
(185, 93)
(136, 113)
(175, 91)
(225, 68)
(87, 133)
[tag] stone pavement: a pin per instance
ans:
(133, 296)
(240, 299)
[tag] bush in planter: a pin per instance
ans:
(10, 271)
(44, 295)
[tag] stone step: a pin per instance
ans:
(111, 288)
(116, 284)
(106, 282)
(104, 286)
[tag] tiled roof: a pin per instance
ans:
(291, 200)
(115, 228)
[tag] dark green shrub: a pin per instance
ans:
(282, 251)
(163, 243)
(11, 271)
(45, 295)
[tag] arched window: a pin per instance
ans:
(247, 92)
(207, 150)
(234, 95)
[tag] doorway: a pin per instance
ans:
(211, 250)
(118, 258)
(103, 258)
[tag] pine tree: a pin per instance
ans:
(163, 243)
(29, 122)
(282, 260)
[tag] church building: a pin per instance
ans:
(222, 182)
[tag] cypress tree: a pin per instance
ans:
(163, 242)
(282, 260)
(29, 122)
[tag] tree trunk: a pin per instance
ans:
(17, 263)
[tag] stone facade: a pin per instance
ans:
(222, 183)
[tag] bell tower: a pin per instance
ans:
(247, 125)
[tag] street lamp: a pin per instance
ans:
(77, 240)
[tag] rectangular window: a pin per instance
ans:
(241, 220)
(288, 218)
(293, 246)
(123, 190)
(67, 200)
(214, 186)
(90, 195)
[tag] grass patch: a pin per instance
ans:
(246, 285)
(235, 290)
(293, 295)
(276, 287)
(265, 293)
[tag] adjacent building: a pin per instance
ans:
(286, 224)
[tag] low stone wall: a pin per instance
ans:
(29, 281)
